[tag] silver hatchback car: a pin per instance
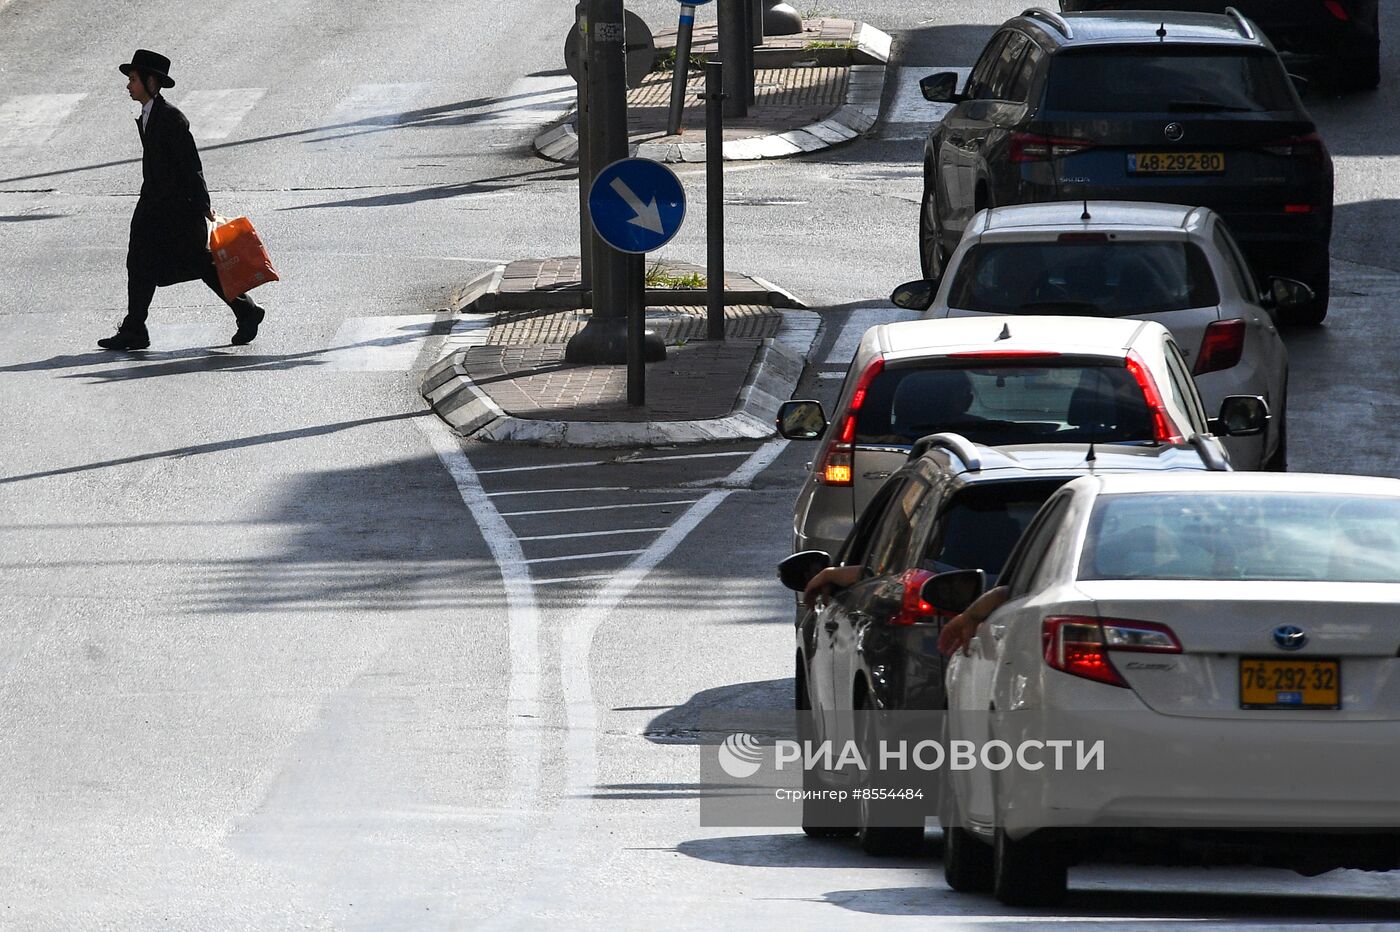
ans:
(1119, 387)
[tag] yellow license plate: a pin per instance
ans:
(1176, 163)
(1270, 683)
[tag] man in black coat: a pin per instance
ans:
(169, 233)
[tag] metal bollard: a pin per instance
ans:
(714, 200)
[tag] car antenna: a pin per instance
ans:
(1162, 32)
(1005, 333)
(1085, 215)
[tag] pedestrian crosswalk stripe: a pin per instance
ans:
(859, 321)
(910, 116)
(31, 119)
(531, 102)
(377, 104)
(215, 114)
(388, 343)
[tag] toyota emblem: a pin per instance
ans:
(1290, 637)
(1174, 132)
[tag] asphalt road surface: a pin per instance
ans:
(281, 651)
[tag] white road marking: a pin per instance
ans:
(531, 102)
(377, 344)
(215, 114)
(831, 375)
(910, 116)
(585, 556)
(30, 119)
(523, 696)
(558, 511)
(639, 459)
(629, 530)
(589, 488)
(859, 321)
(377, 104)
(564, 579)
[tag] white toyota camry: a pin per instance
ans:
(1213, 660)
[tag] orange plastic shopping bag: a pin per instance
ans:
(240, 257)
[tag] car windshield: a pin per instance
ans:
(1266, 536)
(982, 523)
(1155, 79)
(999, 404)
(1113, 278)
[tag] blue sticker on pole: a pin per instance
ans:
(636, 205)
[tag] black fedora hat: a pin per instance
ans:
(149, 62)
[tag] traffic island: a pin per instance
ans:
(503, 376)
(812, 90)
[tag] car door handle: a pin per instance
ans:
(876, 474)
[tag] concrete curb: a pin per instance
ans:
(771, 380)
(864, 90)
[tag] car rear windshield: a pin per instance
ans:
(1113, 278)
(1154, 79)
(1244, 536)
(982, 523)
(998, 404)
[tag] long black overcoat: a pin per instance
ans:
(169, 234)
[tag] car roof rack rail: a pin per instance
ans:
(956, 444)
(1055, 19)
(1209, 454)
(1246, 30)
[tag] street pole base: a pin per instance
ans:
(603, 342)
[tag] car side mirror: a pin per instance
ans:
(952, 592)
(1287, 293)
(941, 88)
(801, 420)
(916, 295)
(1241, 416)
(1300, 84)
(797, 570)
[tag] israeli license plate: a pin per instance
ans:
(1176, 163)
(1271, 683)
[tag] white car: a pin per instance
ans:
(1176, 265)
(1232, 640)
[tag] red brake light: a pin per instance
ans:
(1082, 238)
(1337, 10)
(1080, 646)
(1030, 147)
(1003, 354)
(1297, 208)
(837, 462)
(1221, 347)
(1164, 429)
(913, 608)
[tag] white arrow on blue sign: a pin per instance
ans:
(636, 205)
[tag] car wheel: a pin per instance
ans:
(821, 818)
(1317, 275)
(1278, 462)
(967, 861)
(1028, 872)
(875, 838)
(931, 257)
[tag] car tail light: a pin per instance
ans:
(1221, 347)
(1082, 238)
(912, 607)
(1080, 646)
(1003, 354)
(1030, 147)
(1337, 10)
(1164, 429)
(837, 461)
(1308, 148)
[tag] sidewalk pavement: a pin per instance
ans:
(503, 376)
(812, 90)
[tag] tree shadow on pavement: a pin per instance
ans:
(711, 715)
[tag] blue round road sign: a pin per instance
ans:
(636, 205)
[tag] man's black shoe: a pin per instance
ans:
(248, 327)
(125, 341)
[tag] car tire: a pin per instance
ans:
(819, 819)
(967, 861)
(881, 841)
(1317, 275)
(932, 261)
(1028, 872)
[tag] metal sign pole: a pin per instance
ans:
(585, 164)
(714, 200)
(733, 34)
(682, 73)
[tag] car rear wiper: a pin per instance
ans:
(1205, 106)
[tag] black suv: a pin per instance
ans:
(1181, 108)
(1338, 39)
